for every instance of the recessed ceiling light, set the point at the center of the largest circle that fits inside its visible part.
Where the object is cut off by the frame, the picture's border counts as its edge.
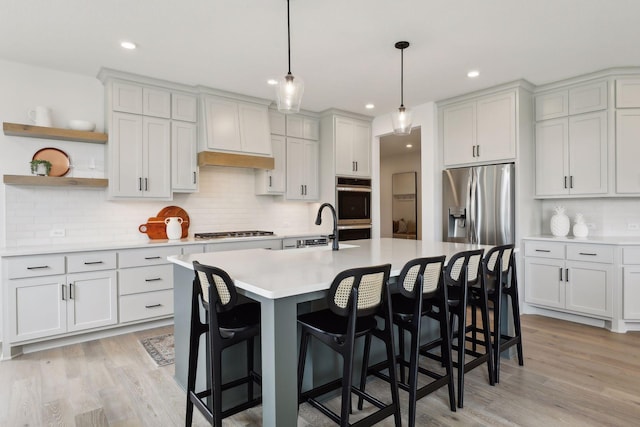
(473, 73)
(128, 45)
(369, 106)
(409, 145)
(272, 82)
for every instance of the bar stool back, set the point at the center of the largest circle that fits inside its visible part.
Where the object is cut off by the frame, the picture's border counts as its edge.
(354, 298)
(465, 285)
(230, 319)
(499, 282)
(421, 293)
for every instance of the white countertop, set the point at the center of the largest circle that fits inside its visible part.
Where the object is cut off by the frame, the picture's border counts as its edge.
(137, 243)
(279, 274)
(602, 240)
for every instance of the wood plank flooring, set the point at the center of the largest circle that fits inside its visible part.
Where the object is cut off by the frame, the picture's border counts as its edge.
(574, 375)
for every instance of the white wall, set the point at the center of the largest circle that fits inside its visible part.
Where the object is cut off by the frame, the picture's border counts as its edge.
(226, 199)
(424, 117)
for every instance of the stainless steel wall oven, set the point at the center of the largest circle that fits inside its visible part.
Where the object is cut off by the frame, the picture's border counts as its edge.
(353, 203)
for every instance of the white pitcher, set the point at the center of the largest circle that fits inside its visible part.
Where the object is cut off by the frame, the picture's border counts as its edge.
(174, 227)
(41, 116)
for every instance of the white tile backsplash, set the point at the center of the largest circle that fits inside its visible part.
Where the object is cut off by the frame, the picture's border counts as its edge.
(610, 217)
(226, 201)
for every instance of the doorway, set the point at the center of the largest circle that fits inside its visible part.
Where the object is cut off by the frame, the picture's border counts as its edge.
(400, 159)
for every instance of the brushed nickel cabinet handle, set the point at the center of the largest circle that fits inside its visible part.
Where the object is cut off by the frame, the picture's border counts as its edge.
(93, 262)
(64, 291)
(478, 150)
(153, 306)
(71, 296)
(543, 250)
(587, 253)
(560, 273)
(152, 257)
(38, 267)
(146, 184)
(155, 279)
(139, 183)
(194, 177)
(566, 275)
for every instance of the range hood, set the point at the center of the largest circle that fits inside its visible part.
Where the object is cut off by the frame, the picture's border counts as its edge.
(215, 158)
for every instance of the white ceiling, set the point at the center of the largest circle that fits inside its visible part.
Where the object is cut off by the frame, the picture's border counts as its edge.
(343, 49)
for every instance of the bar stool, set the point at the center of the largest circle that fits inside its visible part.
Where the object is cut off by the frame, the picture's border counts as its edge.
(421, 293)
(230, 319)
(353, 300)
(465, 286)
(499, 282)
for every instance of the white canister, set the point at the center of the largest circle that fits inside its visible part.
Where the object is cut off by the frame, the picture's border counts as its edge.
(41, 116)
(174, 227)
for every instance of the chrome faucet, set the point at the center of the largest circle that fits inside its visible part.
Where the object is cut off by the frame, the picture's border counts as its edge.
(334, 236)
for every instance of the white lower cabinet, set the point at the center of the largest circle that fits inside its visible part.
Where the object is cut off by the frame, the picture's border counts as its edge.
(631, 283)
(575, 278)
(43, 305)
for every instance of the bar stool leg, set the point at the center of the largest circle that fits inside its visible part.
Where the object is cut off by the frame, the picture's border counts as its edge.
(462, 322)
(249, 369)
(413, 372)
(347, 371)
(364, 370)
(484, 311)
(401, 352)
(217, 389)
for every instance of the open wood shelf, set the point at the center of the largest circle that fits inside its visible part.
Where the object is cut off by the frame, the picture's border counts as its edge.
(16, 129)
(54, 181)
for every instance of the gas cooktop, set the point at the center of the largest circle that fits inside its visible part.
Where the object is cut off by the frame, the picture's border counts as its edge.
(229, 234)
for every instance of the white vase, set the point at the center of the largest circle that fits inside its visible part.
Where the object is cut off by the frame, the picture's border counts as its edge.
(580, 229)
(174, 227)
(560, 223)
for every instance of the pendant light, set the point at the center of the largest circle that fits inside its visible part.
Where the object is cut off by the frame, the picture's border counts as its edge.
(289, 89)
(402, 118)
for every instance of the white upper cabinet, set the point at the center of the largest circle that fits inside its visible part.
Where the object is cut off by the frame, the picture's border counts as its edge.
(277, 123)
(302, 169)
(571, 155)
(235, 126)
(627, 151)
(184, 155)
(127, 98)
(272, 181)
(480, 131)
(588, 98)
(303, 127)
(156, 102)
(628, 92)
(552, 105)
(352, 147)
(184, 107)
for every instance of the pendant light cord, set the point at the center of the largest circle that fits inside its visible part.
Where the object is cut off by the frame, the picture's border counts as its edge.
(401, 77)
(288, 37)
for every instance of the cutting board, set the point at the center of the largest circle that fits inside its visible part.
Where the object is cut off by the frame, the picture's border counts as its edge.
(155, 227)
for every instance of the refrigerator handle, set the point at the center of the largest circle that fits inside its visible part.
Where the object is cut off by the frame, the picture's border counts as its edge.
(472, 206)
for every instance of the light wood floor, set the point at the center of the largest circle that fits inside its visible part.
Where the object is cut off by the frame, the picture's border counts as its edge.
(574, 375)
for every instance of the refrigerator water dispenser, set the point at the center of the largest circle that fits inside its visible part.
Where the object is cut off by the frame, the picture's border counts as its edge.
(457, 223)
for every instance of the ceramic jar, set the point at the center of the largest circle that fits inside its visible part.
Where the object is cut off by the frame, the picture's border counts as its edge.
(580, 229)
(560, 223)
(174, 227)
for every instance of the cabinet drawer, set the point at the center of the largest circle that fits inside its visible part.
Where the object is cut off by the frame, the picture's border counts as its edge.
(146, 256)
(544, 249)
(631, 255)
(91, 261)
(145, 279)
(34, 266)
(590, 253)
(146, 305)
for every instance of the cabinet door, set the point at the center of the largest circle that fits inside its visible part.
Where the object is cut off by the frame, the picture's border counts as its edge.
(272, 181)
(589, 288)
(552, 157)
(627, 151)
(459, 133)
(223, 129)
(295, 169)
(37, 307)
(552, 105)
(125, 162)
(631, 293)
(311, 169)
(92, 300)
(157, 157)
(496, 127)
(254, 128)
(277, 123)
(587, 98)
(361, 149)
(628, 93)
(184, 157)
(127, 98)
(310, 128)
(184, 107)
(543, 282)
(156, 103)
(344, 136)
(588, 153)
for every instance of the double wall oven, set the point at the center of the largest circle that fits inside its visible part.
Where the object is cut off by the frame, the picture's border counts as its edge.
(353, 205)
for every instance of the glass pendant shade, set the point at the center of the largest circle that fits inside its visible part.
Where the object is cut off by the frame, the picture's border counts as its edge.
(401, 121)
(289, 92)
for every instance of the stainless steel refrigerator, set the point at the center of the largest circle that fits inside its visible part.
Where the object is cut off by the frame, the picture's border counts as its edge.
(478, 204)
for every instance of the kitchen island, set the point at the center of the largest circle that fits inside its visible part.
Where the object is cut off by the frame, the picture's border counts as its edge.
(280, 281)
